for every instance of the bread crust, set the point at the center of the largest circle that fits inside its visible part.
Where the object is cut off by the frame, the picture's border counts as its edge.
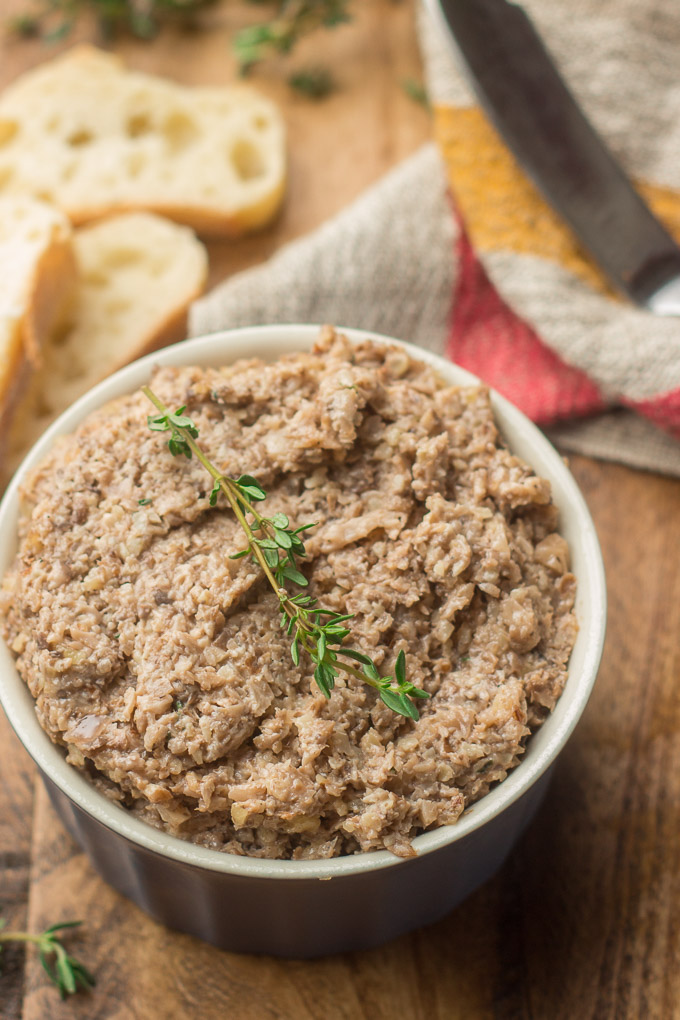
(211, 158)
(208, 223)
(49, 301)
(172, 330)
(57, 379)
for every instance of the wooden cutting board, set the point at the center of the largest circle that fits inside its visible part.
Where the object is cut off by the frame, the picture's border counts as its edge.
(582, 922)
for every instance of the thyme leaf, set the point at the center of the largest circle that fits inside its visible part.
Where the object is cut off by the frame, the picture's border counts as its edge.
(415, 90)
(313, 82)
(64, 971)
(274, 545)
(294, 19)
(53, 20)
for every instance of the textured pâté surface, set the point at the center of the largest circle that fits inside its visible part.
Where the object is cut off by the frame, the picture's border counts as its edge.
(158, 662)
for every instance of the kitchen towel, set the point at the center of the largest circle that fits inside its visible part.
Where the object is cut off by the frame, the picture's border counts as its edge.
(456, 251)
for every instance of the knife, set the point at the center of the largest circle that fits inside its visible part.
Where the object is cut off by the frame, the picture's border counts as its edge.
(521, 91)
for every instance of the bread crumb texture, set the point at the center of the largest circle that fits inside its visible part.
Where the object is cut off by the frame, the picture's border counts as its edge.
(38, 274)
(137, 275)
(92, 137)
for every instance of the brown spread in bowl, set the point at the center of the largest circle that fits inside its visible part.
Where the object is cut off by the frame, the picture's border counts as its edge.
(158, 661)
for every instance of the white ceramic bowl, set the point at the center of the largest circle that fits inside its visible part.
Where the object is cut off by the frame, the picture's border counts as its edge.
(283, 907)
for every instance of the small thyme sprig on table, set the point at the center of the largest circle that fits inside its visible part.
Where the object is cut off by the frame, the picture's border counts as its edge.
(63, 970)
(416, 91)
(54, 20)
(313, 82)
(275, 546)
(294, 19)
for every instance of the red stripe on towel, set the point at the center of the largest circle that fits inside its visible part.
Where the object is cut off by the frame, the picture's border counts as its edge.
(489, 339)
(663, 410)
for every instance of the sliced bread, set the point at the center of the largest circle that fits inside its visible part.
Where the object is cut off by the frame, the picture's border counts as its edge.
(37, 287)
(138, 274)
(94, 138)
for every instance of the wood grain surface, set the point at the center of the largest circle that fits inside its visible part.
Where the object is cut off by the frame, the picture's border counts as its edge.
(584, 919)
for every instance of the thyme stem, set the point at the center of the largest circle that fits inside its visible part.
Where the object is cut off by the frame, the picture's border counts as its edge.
(63, 970)
(319, 632)
(229, 489)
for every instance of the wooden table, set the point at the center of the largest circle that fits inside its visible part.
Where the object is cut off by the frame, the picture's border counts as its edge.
(584, 919)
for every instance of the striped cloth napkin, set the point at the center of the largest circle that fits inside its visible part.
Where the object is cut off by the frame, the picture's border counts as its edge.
(491, 278)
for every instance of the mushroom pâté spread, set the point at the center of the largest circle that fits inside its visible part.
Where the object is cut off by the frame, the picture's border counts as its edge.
(157, 661)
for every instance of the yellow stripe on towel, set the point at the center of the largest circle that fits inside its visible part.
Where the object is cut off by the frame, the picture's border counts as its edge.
(502, 209)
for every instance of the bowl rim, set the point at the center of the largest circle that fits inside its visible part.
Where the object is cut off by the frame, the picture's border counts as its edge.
(223, 347)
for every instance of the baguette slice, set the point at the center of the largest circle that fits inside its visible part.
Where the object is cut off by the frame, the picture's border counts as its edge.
(90, 136)
(138, 275)
(37, 286)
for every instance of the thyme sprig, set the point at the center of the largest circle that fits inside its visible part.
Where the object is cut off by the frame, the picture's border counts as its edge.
(416, 91)
(63, 970)
(312, 82)
(294, 19)
(54, 20)
(276, 547)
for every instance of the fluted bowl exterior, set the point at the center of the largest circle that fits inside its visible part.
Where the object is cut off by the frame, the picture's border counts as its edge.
(311, 908)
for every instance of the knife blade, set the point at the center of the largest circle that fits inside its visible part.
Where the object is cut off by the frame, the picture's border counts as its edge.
(531, 107)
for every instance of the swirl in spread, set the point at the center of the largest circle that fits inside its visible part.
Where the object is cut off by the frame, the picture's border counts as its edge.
(158, 663)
